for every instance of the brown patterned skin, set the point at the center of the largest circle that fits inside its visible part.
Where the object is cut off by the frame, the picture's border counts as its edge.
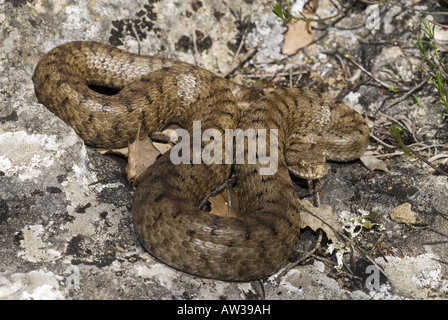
(155, 92)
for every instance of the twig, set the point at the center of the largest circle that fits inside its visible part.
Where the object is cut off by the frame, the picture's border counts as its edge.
(274, 75)
(387, 155)
(331, 262)
(340, 13)
(379, 240)
(361, 251)
(195, 48)
(405, 96)
(436, 157)
(97, 182)
(229, 200)
(381, 141)
(385, 85)
(226, 184)
(259, 288)
(243, 40)
(372, 2)
(429, 163)
(290, 77)
(424, 147)
(310, 183)
(395, 131)
(404, 121)
(308, 254)
(246, 57)
(378, 249)
(136, 37)
(438, 24)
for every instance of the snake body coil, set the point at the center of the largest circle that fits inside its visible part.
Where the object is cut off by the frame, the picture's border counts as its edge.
(154, 92)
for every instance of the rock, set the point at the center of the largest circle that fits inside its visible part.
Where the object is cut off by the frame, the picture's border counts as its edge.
(403, 214)
(66, 229)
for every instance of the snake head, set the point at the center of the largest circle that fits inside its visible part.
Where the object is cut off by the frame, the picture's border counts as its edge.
(308, 171)
(306, 161)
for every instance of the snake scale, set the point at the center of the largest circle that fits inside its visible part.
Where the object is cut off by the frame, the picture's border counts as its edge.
(152, 92)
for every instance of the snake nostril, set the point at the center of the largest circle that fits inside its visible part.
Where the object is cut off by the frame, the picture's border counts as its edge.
(108, 91)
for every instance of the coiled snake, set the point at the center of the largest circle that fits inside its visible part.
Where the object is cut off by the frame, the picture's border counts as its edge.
(154, 92)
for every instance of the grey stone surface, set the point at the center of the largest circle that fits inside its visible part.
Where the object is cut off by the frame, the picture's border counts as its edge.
(65, 236)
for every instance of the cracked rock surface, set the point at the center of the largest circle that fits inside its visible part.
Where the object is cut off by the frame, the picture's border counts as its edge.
(65, 211)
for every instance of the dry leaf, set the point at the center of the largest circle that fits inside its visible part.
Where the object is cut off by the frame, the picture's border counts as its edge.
(142, 154)
(323, 212)
(298, 36)
(162, 147)
(118, 152)
(373, 163)
(299, 33)
(219, 204)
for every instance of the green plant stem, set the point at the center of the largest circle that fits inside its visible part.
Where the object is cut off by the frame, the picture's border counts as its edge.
(395, 130)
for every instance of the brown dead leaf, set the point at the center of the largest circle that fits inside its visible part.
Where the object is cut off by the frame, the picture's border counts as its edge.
(299, 33)
(373, 163)
(118, 152)
(162, 147)
(323, 212)
(142, 154)
(219, 204)
(298, 36)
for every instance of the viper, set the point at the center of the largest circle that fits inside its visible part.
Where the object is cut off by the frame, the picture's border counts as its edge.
(152, 92)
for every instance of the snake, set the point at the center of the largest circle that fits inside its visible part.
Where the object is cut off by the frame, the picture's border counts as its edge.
(149, 93)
